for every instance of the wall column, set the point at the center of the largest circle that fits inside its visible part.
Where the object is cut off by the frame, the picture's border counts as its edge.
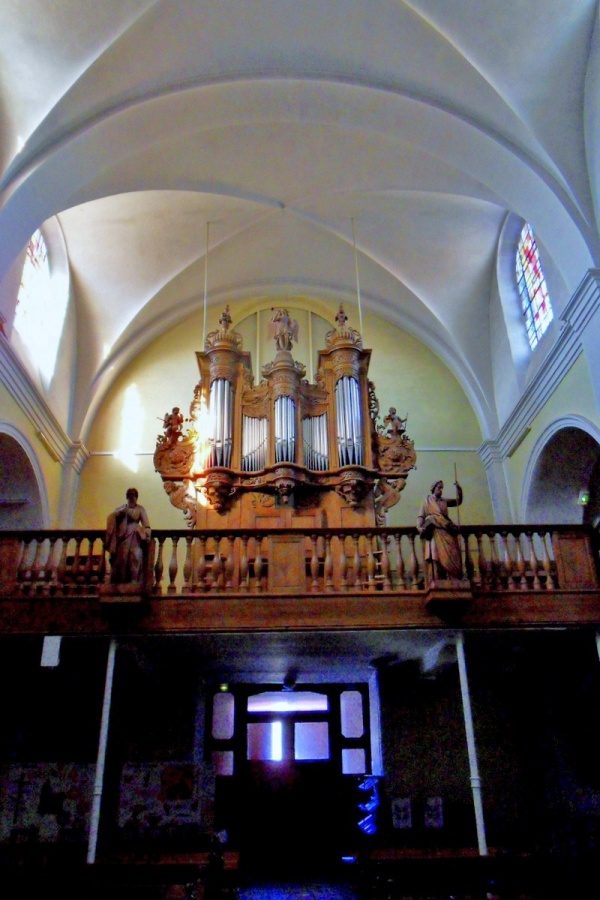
(474, 769)
(101, 760)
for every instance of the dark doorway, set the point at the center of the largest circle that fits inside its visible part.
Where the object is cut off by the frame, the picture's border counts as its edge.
(289, 800)
(292, 816)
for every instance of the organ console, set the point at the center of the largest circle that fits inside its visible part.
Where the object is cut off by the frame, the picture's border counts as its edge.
(284, 451)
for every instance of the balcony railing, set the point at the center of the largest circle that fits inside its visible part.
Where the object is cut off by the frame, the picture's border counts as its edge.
(496, 558)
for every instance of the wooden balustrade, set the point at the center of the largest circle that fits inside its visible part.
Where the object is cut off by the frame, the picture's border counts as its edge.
(497, 558)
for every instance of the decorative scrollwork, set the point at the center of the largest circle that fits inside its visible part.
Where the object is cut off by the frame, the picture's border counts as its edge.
(180, 497)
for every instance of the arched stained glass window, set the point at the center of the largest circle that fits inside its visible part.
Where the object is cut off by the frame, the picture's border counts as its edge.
(41, 309)
(535, 301)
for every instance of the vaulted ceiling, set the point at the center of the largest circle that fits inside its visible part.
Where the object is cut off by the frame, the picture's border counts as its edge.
(285, 134)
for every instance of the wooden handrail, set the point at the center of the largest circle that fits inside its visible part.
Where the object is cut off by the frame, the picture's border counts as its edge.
(528, 558)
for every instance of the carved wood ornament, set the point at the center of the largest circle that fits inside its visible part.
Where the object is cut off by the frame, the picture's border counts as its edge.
(284, 448)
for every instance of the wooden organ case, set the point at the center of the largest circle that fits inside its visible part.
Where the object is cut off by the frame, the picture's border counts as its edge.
(284, 453)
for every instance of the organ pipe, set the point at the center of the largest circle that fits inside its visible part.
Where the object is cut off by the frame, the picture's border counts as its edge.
(254, 443)
(221, 413)
(285, 429)
(314, 436)
(349, 422)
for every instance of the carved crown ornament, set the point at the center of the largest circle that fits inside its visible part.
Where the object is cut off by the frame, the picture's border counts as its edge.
(300, 446)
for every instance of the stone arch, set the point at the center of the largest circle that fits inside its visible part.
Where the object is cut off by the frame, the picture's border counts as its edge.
(564, 464)
(23, 499)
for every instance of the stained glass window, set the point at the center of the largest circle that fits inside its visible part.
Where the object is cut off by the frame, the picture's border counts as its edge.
(535, 301)
(41, 309)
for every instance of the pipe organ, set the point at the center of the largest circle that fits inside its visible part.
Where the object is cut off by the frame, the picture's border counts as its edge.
(284, 451)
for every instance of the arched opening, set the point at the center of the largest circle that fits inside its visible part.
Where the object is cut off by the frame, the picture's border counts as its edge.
(565, 483)
(20, 497)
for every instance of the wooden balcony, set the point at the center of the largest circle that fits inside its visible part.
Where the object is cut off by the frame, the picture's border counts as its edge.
(366, 578)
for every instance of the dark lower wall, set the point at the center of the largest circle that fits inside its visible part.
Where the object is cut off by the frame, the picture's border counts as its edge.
(536, 708)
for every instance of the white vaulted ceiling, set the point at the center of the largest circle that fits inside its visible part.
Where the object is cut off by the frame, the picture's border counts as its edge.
(282, 123)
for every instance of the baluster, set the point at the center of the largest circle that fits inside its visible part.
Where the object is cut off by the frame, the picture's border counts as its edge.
(370, 564)
(356, 564)
(400, 568)
(228, 565)
(484, 566)
(494, 562)
(159, 566)
(314, 563)
(52, 567)
(62, 566)
(88, 567)
(328, 564)
(546, 563)
(76, 562)
(533, 562)
(414, 564)
(201, 564)
(217, 567)
(24, 569)
(101, 563)
(187, 565)
(471, 570)
(37, 567)
(519, 573)
(171, 589)
(506, 562)
(343, 564)
(244, 569)
(258, 565)
(385, 562)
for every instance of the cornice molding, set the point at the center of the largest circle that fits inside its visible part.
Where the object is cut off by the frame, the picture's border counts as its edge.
(575, 318)
(77, 456)
(25, 393)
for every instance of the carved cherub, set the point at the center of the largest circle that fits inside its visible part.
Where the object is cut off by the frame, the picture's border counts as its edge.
(397, 425)
(172, 423)
(283, 329)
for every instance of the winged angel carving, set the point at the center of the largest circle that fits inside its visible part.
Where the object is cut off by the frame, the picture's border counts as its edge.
(283, 329)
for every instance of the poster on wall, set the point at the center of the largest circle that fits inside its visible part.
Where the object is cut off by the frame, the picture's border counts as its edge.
(434, 813)
(402, 812)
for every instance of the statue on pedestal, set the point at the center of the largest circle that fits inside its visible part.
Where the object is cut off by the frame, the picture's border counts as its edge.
(440, 533)
(127, 535)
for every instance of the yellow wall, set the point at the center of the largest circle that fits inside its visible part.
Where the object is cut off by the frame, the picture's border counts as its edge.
(406, 375)
(12, 413)
(573, 396)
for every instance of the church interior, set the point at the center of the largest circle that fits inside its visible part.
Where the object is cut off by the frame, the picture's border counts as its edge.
(299, 449)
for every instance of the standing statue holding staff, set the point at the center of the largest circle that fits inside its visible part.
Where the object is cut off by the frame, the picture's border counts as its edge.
(440, 533)
(127, 535)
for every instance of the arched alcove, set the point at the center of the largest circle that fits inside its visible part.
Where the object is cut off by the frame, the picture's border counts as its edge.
(564, 472)
(21, 504)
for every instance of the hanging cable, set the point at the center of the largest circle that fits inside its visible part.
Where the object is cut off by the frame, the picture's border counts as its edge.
(205, 283)
(357, 282)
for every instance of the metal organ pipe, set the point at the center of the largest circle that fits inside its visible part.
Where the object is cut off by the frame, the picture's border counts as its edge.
(285, 429)
(221, 411)
(349, 422)
(254, 443)
(314, 435)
